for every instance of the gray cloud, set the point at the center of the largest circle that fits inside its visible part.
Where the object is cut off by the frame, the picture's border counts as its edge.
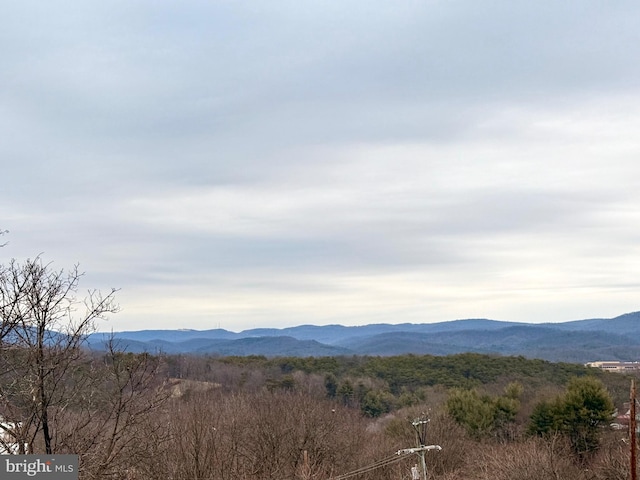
(302, 161)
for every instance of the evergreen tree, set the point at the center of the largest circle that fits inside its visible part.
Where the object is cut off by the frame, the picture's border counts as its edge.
(580, 413)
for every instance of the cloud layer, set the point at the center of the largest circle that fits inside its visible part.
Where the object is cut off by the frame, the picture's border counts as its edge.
(279, 163)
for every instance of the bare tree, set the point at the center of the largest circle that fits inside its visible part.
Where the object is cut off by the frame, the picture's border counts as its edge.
(46, 324)
(12, 294)
(111, 424)
(235, 435)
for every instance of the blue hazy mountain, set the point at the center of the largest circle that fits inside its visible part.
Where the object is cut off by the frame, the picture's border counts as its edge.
(574, 341)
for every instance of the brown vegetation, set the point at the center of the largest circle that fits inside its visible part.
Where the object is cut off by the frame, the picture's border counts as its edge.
(134, 420)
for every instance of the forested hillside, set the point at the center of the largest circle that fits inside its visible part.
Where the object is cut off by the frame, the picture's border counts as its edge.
(404, 376)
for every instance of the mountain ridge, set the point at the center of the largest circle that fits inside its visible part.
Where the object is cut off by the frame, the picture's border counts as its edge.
(576, 341)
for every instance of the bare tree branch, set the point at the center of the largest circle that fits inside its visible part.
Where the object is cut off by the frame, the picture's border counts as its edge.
(43, 318)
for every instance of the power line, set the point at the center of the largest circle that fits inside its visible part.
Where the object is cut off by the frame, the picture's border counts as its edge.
(388, 460)
(379, 464)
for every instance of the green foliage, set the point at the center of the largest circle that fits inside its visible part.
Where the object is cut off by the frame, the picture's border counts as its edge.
(248, 360)
(482, 415)
(409, 373)
(580, 413)
(471, 410)
(287, 383)
(587, 407)
(374, 404)
(514, 390)
(544, 419)
(505, 410)
(331, 385)
(346, 392)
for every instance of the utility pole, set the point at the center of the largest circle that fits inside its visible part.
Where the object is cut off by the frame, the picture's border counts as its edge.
(632, 430)
(420, 426)
(420, 451)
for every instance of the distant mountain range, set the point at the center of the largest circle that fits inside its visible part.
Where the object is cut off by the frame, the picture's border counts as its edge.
(575, 341)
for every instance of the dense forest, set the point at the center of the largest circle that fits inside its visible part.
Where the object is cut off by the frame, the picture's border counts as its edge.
(186, 417)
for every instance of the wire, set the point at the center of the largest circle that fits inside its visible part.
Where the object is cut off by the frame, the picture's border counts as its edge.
(362, 470)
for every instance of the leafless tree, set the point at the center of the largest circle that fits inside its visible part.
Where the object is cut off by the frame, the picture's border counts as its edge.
(226, 436)
(45, 323)
(111, 424)
(12, 294)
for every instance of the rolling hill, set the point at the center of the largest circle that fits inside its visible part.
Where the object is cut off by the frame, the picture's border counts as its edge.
(576, 341)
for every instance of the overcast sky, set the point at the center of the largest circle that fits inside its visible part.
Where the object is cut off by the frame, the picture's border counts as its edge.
(276, 163)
